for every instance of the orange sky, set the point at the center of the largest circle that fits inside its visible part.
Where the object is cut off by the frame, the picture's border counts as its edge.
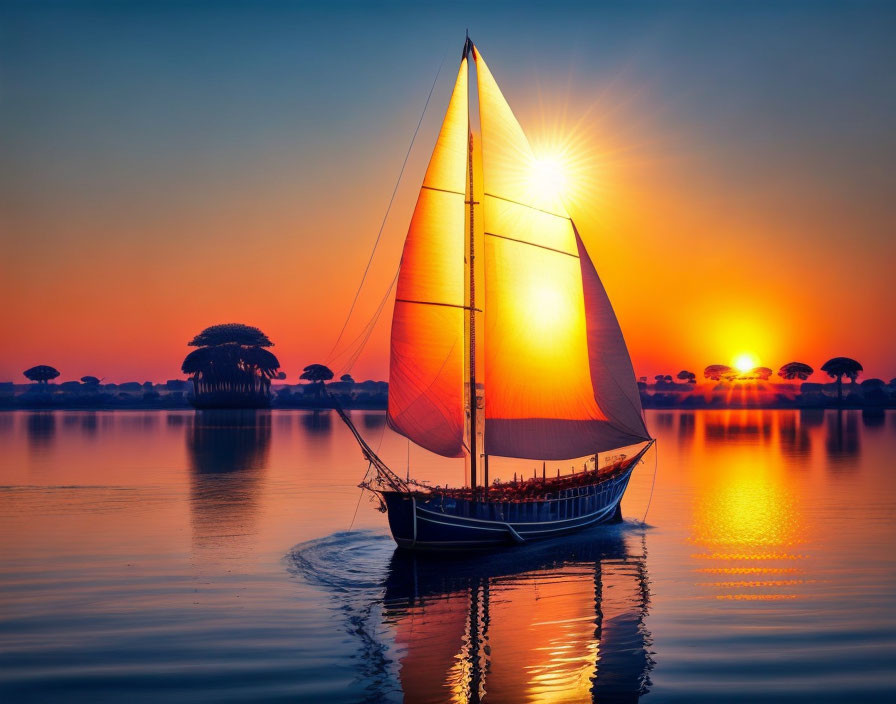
(715, 232)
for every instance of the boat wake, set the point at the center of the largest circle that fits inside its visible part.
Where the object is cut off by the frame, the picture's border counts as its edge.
(352, 567)
(361, 562)
(355, 561)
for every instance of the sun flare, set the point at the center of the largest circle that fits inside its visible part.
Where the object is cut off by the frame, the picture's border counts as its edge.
(548, 177)
(745, 361)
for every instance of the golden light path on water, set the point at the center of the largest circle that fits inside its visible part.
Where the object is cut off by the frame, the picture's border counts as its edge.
(747, 511)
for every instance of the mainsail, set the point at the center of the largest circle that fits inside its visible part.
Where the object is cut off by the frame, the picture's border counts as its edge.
(558, 381)
(556, 385)
(426, 396)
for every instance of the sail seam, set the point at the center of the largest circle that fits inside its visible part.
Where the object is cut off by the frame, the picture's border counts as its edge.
(532, 244)
(436, 303)
(526, 205)
(443, 190)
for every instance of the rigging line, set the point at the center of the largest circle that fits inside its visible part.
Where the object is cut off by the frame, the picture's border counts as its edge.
(371, 326)
(656, 454)
(350, 347)
(379, 442)
(366, 329)
(360, 496)
(379, 234)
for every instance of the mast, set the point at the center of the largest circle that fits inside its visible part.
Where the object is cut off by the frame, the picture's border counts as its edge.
(474, 457)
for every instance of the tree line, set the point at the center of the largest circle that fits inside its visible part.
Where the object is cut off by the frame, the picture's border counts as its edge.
(232, 366)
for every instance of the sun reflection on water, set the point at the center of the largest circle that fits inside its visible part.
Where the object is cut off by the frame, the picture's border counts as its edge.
(746, 509)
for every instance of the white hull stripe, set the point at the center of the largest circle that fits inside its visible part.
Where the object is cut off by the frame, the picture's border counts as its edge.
(450, 543)
(501, 527)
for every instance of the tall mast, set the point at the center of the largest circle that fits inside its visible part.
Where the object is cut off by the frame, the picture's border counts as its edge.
(474, 457)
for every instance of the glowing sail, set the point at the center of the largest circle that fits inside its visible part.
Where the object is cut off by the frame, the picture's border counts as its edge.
(426, 398)
(558, 379)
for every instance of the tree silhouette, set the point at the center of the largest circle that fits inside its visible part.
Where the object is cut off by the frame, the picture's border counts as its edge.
(90, 380)
(41, 374)
(761, 373)
(839, 367)
(231, 333)
(317, 374)
(795, 370)
(717, 372)
(687, 376)
(347, 378)
(231, 366)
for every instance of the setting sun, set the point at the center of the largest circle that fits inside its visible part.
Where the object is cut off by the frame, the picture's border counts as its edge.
(745, 361)
(548, 177)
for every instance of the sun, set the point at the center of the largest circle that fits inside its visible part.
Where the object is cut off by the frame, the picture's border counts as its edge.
(547, 177)
(745, 361)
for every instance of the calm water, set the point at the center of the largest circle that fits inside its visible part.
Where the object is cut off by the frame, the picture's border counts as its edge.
(191, 557)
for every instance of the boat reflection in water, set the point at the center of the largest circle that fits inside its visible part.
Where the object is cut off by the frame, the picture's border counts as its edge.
(560, 621)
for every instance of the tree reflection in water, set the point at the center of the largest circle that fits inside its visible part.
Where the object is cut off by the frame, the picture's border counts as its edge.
(41, 429)
(317, 422)
(842, 439)
(227, 449)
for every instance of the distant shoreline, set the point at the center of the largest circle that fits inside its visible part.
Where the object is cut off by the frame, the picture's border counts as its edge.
(382, 407)
(174, 406)
(373, 396)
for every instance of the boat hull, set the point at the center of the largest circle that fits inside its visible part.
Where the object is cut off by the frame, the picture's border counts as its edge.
(436, 522)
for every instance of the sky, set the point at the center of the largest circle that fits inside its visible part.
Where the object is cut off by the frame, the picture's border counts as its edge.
(168, 166)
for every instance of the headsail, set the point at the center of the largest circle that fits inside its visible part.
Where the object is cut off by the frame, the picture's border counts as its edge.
(426, 398)
(558, 378)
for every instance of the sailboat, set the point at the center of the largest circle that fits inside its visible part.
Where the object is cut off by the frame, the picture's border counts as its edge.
(504, 343)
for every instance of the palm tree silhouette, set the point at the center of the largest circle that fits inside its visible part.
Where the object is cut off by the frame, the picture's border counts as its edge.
(839, 367)
(231, 367)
